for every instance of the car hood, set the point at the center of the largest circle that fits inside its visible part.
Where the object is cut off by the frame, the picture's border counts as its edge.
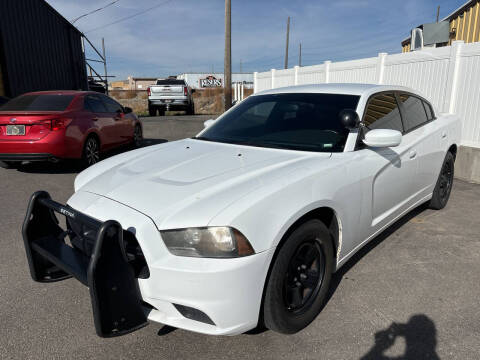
(186, 183)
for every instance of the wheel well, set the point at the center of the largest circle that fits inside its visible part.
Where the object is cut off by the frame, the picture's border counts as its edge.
(324, 214)
(453, 150)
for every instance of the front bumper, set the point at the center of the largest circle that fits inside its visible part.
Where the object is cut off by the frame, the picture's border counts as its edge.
(226, 293)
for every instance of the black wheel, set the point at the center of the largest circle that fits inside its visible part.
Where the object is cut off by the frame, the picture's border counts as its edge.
(161, 112)
(152, 111)
(299, 279)
(91, 151)
(137, 136)
(443, 188)
(191, 110)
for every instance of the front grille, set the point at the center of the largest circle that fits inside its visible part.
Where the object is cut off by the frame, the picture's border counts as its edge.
(83, 238)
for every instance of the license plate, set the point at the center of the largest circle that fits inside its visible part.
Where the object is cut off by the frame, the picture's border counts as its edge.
(15, 129)
(168, 101)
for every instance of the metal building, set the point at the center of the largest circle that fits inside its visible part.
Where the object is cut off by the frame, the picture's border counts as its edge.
(39, 49)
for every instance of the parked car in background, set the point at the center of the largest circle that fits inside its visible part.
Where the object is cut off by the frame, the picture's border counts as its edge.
(170, 94)
(247, 221)
(3, 100)
(54, 125)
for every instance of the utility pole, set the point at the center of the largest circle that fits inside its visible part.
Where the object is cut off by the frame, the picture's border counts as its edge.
(286, 48)
(228, 55)
(300, 55)
(438, 12)
(241, 70)
(105, 65)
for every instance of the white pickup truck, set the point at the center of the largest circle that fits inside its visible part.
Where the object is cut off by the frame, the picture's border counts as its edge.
(170, 94)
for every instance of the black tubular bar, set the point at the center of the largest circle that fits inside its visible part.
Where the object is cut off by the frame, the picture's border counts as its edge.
(114, 292)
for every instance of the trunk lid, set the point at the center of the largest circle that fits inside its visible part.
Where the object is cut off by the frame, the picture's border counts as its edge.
(37, 124)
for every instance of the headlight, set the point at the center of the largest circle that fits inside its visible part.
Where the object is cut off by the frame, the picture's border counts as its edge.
(212, 242)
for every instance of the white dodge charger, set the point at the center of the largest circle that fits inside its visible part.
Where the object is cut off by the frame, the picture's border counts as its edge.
(245, 223)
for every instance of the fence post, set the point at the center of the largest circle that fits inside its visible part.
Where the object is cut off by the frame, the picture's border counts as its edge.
(452, 79)
(381, 67)
(273, 78)
(255, 85)
(295, 79)
(327, 71)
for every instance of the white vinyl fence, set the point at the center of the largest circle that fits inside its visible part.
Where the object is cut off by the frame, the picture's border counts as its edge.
(448, 76)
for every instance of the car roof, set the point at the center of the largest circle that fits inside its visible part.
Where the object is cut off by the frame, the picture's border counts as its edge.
(340, 88)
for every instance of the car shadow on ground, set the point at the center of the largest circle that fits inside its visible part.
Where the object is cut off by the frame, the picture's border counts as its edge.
(420, 337)
(75, 166)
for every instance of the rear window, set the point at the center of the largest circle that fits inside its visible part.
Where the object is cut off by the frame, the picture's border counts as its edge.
(170, 82)
(415, 114)
(38, 103)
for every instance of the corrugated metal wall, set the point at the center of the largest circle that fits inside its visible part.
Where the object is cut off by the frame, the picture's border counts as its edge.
(39, 50)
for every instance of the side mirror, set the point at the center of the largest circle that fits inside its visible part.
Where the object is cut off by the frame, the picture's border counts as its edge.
(379, 138)
(208, 123)
(127, 110)
(349, 119)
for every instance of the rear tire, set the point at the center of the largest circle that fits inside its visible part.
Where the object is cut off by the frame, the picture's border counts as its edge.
(444, 184)
(137, 136)
(161, 112)
(152, 111)
(91, 151)
(299, 279)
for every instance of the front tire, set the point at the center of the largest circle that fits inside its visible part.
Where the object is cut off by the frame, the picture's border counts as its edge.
(444, 184)
(91, 151)
(299, 279)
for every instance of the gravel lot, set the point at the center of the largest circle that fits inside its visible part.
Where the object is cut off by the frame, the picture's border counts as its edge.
(412, 292)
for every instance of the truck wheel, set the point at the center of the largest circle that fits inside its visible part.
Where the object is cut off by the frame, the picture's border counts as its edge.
(161, 112)
(152, 111)
(191, 110)
(299, 280)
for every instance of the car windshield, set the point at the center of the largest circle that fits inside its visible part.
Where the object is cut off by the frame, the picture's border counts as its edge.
(307, 122)
(38, 103)
(170, 82)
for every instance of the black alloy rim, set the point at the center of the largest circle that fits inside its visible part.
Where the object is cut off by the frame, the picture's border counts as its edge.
(304, 277)
(137, 136)
(446, 180)
(92, 152)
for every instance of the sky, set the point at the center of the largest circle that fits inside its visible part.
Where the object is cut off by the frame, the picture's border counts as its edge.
(171, 37)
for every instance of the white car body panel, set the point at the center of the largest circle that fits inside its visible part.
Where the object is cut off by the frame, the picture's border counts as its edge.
(261, 192)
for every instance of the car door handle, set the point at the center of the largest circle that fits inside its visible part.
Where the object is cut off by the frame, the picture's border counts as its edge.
(444, 135)
(413, 154)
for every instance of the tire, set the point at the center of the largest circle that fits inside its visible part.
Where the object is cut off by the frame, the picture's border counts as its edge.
(152, 111)
(91, 151)
(299, 279)
(191, 110)
(137, 136)
(161, 112)
(444, 184)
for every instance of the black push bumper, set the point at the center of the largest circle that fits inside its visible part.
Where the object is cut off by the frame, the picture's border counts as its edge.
(116, 301)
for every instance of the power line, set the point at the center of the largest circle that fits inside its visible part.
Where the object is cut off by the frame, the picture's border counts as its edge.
(94, 11)
(129, 17)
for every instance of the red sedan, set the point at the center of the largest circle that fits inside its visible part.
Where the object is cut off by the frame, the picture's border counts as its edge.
(53, 125)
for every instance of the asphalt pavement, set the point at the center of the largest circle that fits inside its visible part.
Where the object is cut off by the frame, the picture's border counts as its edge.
(411, 293)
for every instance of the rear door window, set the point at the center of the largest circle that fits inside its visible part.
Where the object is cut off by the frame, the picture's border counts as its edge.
(382, 113)
(42, 102)
(94, 104)
(413, 111)
(111, 105)
(429, 111)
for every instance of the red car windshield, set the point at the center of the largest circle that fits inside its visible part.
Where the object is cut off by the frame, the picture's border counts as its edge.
(38, 103)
